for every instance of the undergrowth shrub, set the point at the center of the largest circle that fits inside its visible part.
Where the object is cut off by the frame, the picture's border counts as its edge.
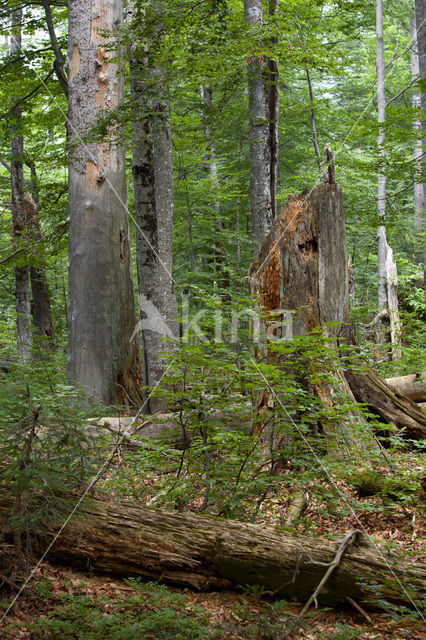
(45, 451)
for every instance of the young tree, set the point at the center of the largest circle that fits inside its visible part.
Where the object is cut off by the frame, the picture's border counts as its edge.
(101, 316)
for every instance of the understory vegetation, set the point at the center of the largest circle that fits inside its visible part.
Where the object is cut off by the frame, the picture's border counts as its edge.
(139, 364)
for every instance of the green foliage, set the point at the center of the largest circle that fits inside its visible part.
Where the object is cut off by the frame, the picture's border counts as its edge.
(44, 448)
(152, 612)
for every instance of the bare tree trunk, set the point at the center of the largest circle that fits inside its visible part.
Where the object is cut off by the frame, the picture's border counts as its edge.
(153, 188)
(420, 7)
(19, 209)
(222, 274)
(101, 356)
(41, 308)
(263, 105)
(313, 125)
(127, 539)
(387, 274)
(381, 191)
(274, 115)
(416, 101)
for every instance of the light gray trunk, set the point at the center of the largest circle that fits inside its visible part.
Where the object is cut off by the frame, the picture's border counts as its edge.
(102, 358)
(262, 153)
(420, 6)
(381, 190)
(416, 101)
(153, 189)
(19, 210)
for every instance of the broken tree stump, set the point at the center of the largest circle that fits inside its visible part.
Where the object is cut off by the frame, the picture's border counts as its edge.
(127, 539)
(302, 268)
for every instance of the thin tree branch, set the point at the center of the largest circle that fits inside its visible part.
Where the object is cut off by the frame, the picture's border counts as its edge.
(402, 90)
(59, 63)
(24, 98)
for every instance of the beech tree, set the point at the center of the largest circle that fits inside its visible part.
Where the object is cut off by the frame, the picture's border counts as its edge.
(264, 109)
(420, 7)
(20, 212)
(102, 358)
(152, 168)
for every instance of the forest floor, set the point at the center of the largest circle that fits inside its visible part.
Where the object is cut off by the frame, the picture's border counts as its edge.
(70, 605)
(67, 604)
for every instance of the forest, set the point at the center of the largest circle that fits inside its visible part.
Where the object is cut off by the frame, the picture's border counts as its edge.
(212, 319)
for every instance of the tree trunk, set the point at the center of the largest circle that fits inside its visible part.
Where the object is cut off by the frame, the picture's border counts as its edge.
(302, 268)
(420, 8)
(387, 276)
(153, 189)
(221, 271)
(19, 209)
(413, 386)
(263, 106)
(416, 101)
(101, 315)
(392, 406)
(381, 189)
(126, 539)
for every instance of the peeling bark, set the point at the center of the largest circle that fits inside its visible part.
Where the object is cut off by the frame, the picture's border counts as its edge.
(102, 358)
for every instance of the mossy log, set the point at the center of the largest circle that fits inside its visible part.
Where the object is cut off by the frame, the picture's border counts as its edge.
(127, 539)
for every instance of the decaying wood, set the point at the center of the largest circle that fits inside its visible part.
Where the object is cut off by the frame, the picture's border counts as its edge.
(295, 507)
(393, 407)
(302, 268)
(126, 539)
(413, 386)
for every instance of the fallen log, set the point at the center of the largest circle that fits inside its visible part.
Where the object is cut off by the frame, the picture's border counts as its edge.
(392, 406)
(127, 539)
(413, 386)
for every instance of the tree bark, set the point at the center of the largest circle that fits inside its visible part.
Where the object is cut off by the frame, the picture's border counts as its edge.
(126, 539)
(387, 275)
(212, 169)
(416, 101)
(302, 268)
(20, 211)
(264, 109)
(381, 189)
(413, 386)
(41, 308)
(152, 167)
(101, 315)
(392, 406)
(420, 9)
